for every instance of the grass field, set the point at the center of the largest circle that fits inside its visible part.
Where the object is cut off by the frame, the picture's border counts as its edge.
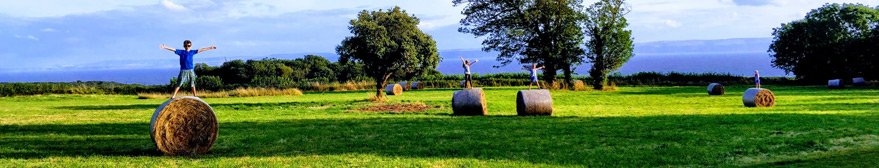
(631, 127)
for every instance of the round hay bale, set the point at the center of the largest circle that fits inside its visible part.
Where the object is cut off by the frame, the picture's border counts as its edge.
(184, 126)
(464, 84)
(417, 85)
(858, 81)
(534, 102)
(405, 85)
(758, 97)
(469, 102)
(835, 84)
(394, 89)
(715, 89)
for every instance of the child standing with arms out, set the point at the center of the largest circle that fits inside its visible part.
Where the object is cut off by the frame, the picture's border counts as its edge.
(533, 70)
(186, 65)
(466, 66)
(757, 78)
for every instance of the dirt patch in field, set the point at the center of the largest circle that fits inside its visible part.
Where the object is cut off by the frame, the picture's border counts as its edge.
(397, 108)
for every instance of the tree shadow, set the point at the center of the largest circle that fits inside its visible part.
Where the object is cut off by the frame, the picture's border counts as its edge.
(576, 141)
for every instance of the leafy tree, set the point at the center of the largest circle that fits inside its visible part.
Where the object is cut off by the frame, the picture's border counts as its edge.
(235, 71)
(610, 44)
(545, 32)
(834, 41)
(386, 42)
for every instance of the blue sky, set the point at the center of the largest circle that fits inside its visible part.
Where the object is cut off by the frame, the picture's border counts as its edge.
(60, 34)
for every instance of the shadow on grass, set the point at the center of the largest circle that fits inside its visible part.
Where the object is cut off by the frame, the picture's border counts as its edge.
(234, 106)
(583, 141)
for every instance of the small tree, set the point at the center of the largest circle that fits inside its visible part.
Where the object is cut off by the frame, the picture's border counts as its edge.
(388, 42)
(610, 44)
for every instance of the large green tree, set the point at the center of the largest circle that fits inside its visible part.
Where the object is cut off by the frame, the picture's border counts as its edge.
(386, 42)
(610, 44)
(834, 41)
(545, 32)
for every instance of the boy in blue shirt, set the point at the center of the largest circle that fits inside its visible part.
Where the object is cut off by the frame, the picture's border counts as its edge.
(186, 65)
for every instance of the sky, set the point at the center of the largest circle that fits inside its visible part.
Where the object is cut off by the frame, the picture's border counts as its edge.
(69, 34)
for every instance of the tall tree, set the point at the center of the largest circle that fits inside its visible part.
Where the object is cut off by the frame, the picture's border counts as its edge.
(545, 32)
(834, 41)
(610, 44)
(386, 42)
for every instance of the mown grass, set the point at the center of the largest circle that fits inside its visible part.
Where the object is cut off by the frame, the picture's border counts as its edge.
(631, 127)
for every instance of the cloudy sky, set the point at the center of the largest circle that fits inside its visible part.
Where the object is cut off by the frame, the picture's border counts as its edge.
(69, 33)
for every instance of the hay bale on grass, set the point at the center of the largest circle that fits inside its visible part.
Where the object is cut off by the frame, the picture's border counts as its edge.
(464, 84)
(394, 89)
(469, 102)
(858, 81)
(758, 97)
(417, 85)
(835, 84)
(184, 126)
(405, 85)
(534, 102)
(715, 89)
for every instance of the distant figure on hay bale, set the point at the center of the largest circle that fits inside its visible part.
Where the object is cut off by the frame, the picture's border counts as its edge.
(186, 65)
(757, 78)
(533, 70)
(466, 66)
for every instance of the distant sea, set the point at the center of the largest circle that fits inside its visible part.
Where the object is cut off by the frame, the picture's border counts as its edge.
(742, 64)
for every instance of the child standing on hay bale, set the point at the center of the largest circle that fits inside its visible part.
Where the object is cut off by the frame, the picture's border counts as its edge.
(186, 65)
(466, 66)
(533, 70)
(757, 78)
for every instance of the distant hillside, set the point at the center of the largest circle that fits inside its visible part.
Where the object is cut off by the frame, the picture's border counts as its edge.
(741, 45)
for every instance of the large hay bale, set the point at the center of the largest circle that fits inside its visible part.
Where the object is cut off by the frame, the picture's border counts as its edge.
(184, 126)
(858, 81)
(464, 84)
(469, 102)
(758, 97)
(394, 89)
(417, 85)
(405, 85)
(534, 102)
(835, 84)
(715, 89)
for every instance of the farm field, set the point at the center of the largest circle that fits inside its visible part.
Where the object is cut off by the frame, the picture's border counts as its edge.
(631, 127)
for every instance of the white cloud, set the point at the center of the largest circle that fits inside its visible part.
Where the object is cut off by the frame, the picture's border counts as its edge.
(31, 37)
(48, 30)
(172, 6)
(672, 23)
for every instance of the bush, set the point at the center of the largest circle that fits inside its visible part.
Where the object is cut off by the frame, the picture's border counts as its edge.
(212, 83)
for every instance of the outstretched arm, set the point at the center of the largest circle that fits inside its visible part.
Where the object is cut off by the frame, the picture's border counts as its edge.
(525, 68)
(207, 48)
(167, 48)
(541, 67)
(462, 58)
(474, 62)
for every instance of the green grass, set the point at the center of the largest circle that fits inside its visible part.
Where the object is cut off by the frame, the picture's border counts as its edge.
(632, 127)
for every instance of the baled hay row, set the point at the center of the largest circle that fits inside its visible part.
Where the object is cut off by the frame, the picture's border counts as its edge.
(417, 85)
(469, 102)
(716, 89)
(858, 82)
(405, 85)
(394, 89)
(534, 102)
(184, 126)
(835, 84)
(758, 97)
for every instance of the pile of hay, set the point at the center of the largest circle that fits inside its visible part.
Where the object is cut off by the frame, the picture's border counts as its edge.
(469, 102)
(758, 97)
(534, 102)
(394, 89)
(835, 84)
(417, 85)
(858, 82)
(715, 89)
(184, 126)
(405, 85)
(464, 84)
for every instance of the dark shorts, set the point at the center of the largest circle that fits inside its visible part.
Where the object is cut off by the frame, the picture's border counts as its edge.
(757, 80)
(186, 75)
(533, 79)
